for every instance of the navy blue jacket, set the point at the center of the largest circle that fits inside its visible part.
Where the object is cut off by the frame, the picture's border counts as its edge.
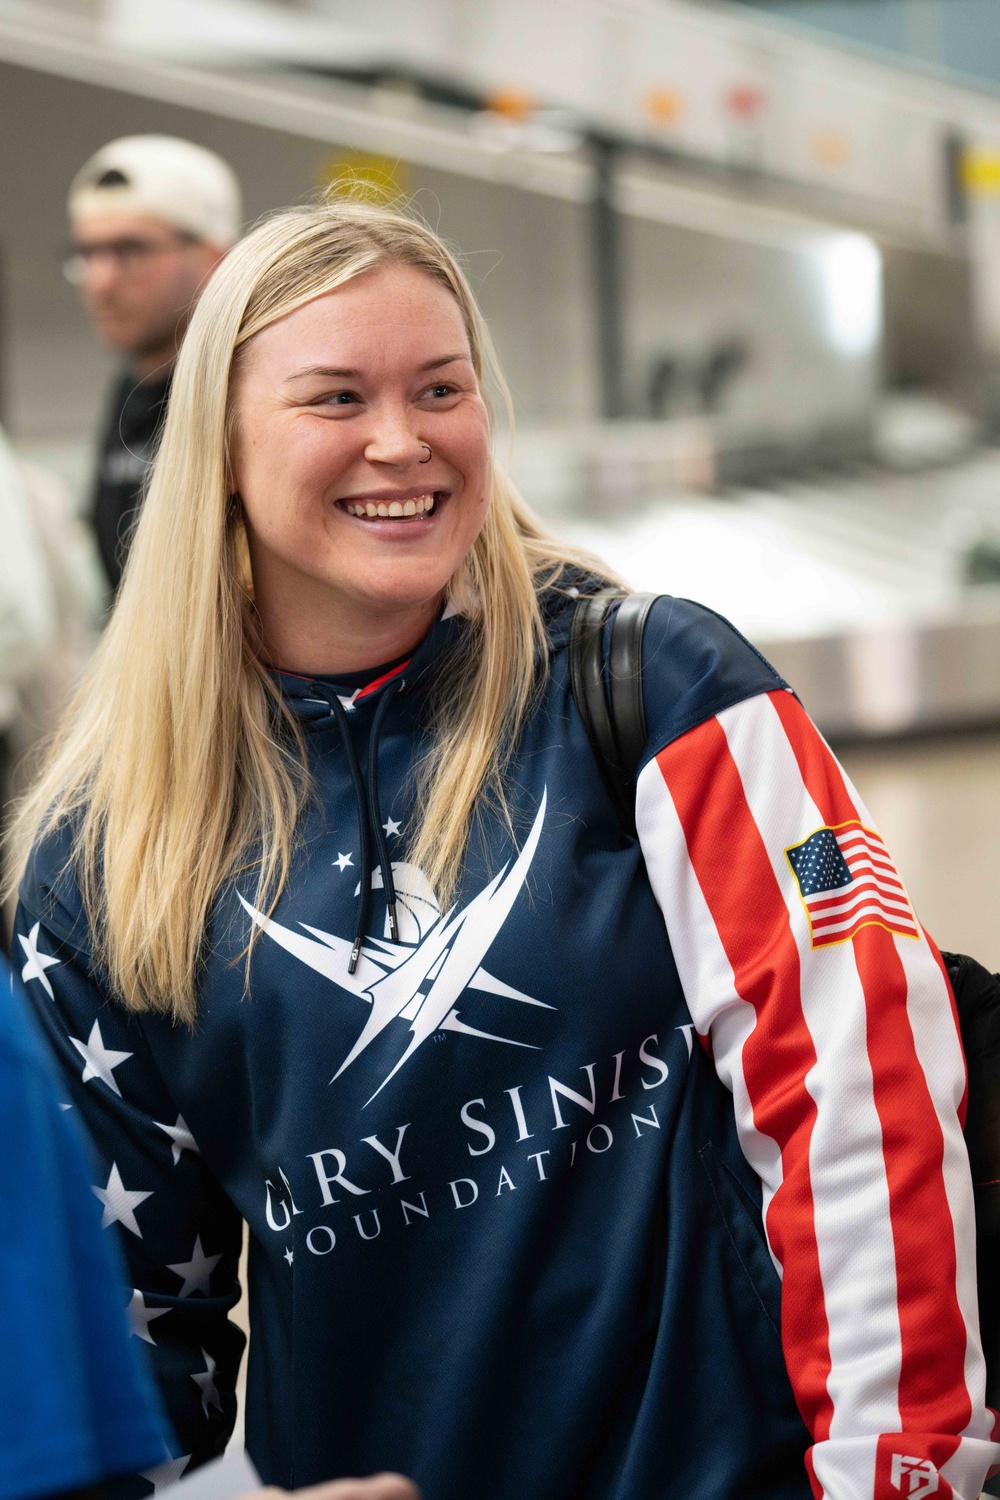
(637, 1173)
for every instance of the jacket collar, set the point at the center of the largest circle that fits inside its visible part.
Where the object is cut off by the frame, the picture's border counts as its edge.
(557, 605)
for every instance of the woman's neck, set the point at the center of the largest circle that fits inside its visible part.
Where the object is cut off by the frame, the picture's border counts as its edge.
(331, 648)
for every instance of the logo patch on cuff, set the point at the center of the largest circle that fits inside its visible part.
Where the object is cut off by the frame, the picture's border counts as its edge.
(913, 1477)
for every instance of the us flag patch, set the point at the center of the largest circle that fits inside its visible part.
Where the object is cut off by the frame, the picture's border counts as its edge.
(847, 881)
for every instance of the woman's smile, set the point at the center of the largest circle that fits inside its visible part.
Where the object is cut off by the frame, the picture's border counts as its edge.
(390, 505)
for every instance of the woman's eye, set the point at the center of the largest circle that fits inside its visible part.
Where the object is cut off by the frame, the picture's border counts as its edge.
(440, 391)
(336, 398)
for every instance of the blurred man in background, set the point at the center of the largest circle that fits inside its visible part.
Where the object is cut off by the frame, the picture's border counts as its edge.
(150, 217)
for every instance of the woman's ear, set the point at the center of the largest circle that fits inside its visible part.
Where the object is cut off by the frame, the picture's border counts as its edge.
(241, 552)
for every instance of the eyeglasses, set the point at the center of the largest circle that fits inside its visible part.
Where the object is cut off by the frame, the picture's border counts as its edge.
(129, 256)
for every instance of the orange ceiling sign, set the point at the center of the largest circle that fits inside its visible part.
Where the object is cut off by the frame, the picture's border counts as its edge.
(512, 104)
(664, 106)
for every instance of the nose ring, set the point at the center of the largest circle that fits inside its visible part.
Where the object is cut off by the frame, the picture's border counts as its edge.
(430, 454)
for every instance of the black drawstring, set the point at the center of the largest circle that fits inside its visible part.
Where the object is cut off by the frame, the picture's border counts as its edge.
(364, 905)
(375, 812)
(369, 814)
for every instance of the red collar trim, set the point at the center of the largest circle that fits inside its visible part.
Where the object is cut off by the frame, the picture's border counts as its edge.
(371, 687)
(381, 681)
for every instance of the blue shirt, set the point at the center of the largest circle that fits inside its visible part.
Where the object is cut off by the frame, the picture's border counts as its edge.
(76, 1404)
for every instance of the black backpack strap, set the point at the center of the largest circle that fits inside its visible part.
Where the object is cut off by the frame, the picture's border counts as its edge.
(977, 1000)
(586, 666)
(628, 713)
(608, 693)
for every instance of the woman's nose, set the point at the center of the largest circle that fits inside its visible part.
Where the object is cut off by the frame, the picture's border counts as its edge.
(394, 440)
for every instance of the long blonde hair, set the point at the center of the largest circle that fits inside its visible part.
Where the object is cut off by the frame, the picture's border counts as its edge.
(178, 763)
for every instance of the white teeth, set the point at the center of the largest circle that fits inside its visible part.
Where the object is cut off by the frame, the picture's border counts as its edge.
(423, 505)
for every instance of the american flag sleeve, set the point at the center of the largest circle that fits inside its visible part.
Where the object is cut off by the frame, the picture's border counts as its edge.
(830, 1019)
(178, 1231)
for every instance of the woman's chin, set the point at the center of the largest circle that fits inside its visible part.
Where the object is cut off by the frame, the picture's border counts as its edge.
(419, 595)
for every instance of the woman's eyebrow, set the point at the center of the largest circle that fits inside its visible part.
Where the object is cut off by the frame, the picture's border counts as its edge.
(446, 359)
(329, 372)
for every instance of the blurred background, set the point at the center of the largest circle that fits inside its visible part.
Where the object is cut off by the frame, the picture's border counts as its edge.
(742, 266)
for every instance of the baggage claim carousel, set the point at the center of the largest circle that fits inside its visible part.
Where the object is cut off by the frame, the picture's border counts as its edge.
(876, 596)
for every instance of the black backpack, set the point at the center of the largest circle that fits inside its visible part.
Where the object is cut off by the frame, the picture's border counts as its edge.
(607, 690)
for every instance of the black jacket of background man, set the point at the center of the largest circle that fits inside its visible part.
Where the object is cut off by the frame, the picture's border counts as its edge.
(127, 446)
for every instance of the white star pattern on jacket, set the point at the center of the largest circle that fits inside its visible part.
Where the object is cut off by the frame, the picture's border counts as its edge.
(205, 1381)
(140, 1316)
(391, 827)
(196, 1273)
(120, 1203)
(164, 1475)
(99, 1061)
(37, 962)
(181, 1136)
(342, 861)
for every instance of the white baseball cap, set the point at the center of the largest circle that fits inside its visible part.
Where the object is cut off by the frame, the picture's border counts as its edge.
(165, 177)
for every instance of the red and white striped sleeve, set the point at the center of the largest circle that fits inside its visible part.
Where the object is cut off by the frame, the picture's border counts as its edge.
(836, 1032)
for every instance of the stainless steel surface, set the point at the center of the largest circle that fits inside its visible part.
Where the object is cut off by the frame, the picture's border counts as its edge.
(856, 589)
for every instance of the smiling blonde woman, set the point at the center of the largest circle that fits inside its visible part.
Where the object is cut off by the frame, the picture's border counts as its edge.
(576, 1163)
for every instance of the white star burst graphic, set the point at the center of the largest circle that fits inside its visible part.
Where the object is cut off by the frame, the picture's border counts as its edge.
(37, 962)
(99, 1061)
(421, 978)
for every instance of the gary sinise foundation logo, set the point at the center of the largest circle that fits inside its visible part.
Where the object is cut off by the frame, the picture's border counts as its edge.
(419, 980)
(491, 1148)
